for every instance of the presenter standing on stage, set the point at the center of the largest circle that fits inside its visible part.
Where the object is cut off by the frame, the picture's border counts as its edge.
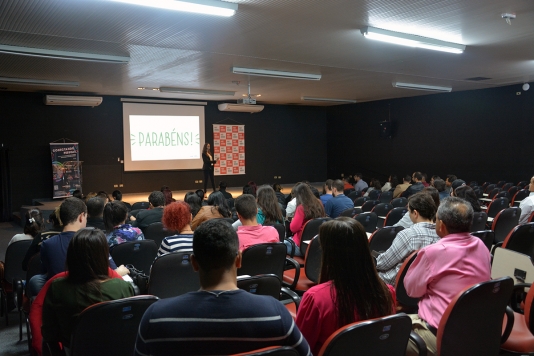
(207, 167)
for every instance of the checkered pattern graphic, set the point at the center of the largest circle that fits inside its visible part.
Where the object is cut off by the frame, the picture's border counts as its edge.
(229, 149)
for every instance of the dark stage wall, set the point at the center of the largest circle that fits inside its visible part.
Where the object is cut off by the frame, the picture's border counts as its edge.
(286, 141)
(476, 135)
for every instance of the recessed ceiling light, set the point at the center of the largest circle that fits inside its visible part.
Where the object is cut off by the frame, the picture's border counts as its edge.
(52, 53)
(425, 87)
(207, 7)
(195, 91)
(44, 82)
(275, 73)
(332, 100)
(405, 39)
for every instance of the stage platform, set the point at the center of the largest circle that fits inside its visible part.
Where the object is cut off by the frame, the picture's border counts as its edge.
(47, 206)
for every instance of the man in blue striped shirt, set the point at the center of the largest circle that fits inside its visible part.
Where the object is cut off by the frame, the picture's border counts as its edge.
(219, 318)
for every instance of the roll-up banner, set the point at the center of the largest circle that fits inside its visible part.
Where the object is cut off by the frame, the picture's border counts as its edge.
(66, 169)
(229, 149)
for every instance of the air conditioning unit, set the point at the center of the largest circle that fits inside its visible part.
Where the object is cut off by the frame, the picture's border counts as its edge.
(240, 107)
(66, 100)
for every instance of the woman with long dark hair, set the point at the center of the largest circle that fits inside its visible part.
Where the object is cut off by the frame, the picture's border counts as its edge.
(269, 211)
(308, 207)
(207, 167)
(467, 193)
(87, 282)
(349, 288)
(217, 208)
(194, 201)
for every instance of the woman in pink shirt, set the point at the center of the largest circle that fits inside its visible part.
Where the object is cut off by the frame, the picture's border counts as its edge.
(349, 290)
(308, 207)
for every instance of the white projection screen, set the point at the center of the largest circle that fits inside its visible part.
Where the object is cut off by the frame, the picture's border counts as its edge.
(162, 137)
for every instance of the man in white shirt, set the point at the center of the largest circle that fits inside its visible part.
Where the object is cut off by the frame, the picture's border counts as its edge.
(527, 205)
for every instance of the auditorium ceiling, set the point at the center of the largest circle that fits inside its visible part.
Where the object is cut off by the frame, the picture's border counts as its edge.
(192, 51)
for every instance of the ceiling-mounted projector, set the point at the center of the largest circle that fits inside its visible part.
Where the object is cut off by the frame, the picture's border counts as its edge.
(240, 107)
(67, 100)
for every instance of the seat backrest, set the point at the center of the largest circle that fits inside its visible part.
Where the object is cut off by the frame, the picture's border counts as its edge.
(172, 274)
(520, 195)
(374, 194)
(382, 209)
(489, 188)
(473, 321)
(157, 232)
(109, 327)
(268, 258)
(15, 254)
(500, 183)
(354, 195)
(394, 215)
(512, 190)
(479, 221)
(529, 310)
(264, 284)
(507, 186)
(369, 205)
(522, 184)
(383, 336)
(140, 254)
(521, 239)
(487, 236)
(271, 351)
(386, 197)
(402, 296)
(502, 193)
(493, 193)
(310, 230)
(399, 202)
(368, 220)
(312, 260)
(360, 201)
(382, 238)
(504, 222)
(496, 206)
(351, 212)
(140, 205)
(281, 230)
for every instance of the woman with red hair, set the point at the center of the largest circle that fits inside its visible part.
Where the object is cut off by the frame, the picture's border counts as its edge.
(177, 216)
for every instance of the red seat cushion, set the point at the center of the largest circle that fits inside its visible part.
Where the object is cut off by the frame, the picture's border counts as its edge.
(303, 283)
(520, 339)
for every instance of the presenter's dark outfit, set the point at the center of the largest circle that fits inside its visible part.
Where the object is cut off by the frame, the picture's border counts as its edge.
(208, 171)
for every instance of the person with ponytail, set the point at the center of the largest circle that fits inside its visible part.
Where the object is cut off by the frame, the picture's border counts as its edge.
(349, 288)
(33, 225)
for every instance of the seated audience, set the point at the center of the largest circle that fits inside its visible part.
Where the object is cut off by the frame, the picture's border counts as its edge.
(77, 194)
(86, 283)
(33, 226)
(346, 183)
(194, 202)
(229, 320)
(153, 213)
(201, 195)
(416, 186)
(216, 208)
(349, 290)
(250, 232)
(391, 183)
(433, 179)
(102, 194)
(177, 216)
(89, 196)
(308, 207)
(118, 232)
(340, 202)
(448, 182)
(360, 183)
(527, 204)
(117, 195)
(434, 194)
(222, 189)
(252, 186)
(168, 195)
(281, 197)
(423, 180)
(269, 212)
(456, 184)
(443, 269)
(401, 188)
(35, 247)
(95, 210)
(467, 193)
(375, 185)
(422, 211)
(327, 192)
(439, 184)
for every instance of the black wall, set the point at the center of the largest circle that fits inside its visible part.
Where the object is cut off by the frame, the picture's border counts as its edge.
(482, 135)
(286, 141)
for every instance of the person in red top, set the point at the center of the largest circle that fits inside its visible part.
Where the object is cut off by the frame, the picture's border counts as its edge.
(349, 290)
(308, 207)
(250, 232)
(346, 184)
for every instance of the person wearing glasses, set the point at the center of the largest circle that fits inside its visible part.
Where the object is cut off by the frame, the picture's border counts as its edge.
(422, 210)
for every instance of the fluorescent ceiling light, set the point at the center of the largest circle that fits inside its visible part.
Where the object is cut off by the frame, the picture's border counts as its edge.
(411, 40)
(195, 91)
(424, 87)
(275, 73)
(29, 81)
(332, 100)
(208, 7)
(52, 53)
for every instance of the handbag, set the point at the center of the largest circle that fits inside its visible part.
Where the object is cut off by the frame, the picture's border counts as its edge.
(139, 279)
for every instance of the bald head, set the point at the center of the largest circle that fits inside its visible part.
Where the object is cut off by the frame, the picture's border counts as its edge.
(456, 214)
